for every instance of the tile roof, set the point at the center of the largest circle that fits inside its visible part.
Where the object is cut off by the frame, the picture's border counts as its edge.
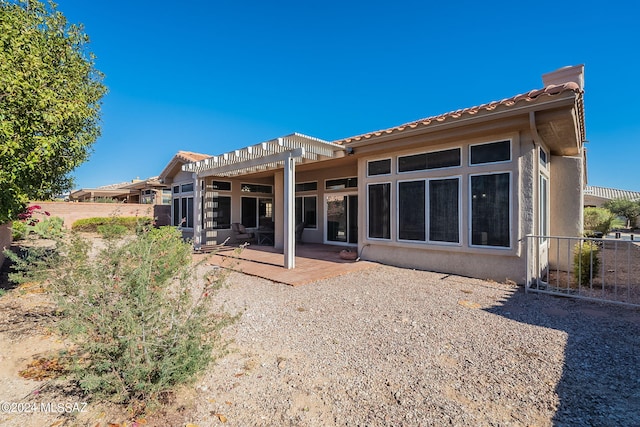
(190, 156)
(611, 193)
(550, 91)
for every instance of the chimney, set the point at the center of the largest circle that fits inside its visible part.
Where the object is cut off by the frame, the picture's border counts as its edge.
(564, 75)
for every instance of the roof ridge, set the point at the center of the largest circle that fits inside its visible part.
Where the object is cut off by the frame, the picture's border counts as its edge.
(550, 90)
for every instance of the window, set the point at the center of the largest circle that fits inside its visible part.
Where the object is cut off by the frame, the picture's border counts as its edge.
(186, 188)
(176, 189)
(256, 188)
(379, 212)
(379, 167)
(221, 185)
(411, 210)
(492, 152)
(307, 186)
(544, 206)
(166, 196)
(306, 211)
(249, 212)
(176, 212)
(256, 211)
(444, 210)
(543, 157)
(221, 213)
(183, 212)
(490, 210)
(340, 184)
(433, 160)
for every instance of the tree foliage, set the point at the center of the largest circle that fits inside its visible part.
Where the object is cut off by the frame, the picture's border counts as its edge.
(50, 94)
(598, 220)
(626, 208)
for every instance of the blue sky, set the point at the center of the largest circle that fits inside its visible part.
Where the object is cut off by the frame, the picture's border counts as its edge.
(212, 76)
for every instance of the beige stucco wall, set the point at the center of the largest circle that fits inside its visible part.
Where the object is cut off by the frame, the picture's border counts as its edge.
(73, 211)
(462, 258)
(567, 201)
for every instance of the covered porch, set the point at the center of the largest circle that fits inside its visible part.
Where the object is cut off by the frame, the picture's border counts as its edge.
(276, 185)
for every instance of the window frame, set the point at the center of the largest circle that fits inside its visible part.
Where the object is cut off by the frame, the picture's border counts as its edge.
(398, 172)
(381, 174)
(307, 196)
(510, 217)
(344, 188)
(391, 212)
(182, 197)
(255, 192)
(510, 140)
(428, 211)
(305, 182)
(397, 210)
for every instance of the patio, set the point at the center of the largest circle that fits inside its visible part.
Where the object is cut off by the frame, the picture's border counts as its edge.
(313, 262)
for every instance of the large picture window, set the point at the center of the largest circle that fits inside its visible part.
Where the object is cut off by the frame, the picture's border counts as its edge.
(411, 210)
(444, 210)
(379, 212)
(490, 210)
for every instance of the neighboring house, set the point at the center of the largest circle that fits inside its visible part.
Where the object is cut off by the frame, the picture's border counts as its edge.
(596, 197)
(180, 185)
(147, 191)
(455, 193)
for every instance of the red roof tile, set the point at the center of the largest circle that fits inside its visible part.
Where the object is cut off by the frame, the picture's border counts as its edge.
(190, 156)
(552, 90)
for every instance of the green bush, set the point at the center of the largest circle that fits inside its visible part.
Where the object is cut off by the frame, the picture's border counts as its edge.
(19, 230)
(47, 228)
(111, 231)
(586, 263)
(137, 314)
(132, 223)
(598, 219)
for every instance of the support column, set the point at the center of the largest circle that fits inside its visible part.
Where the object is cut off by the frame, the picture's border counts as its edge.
(289, 212)
(197, 211)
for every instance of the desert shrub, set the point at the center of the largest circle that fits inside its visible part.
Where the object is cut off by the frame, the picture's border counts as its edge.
(29, 223)
(111, 231)
(49, 228)
(131, 223)
(586, 263)
(19, 230)
(598, 219)
(138, 320)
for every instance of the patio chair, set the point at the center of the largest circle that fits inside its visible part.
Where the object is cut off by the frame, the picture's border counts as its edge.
(240, 233)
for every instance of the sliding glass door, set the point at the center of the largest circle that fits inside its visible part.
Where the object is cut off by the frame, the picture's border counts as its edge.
(342, 218)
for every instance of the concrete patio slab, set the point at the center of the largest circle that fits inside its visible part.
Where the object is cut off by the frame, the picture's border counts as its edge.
(314, 262)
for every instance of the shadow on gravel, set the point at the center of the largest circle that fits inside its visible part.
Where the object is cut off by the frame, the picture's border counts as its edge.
(600, 384)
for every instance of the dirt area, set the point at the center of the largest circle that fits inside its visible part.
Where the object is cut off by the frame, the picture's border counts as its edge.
(617, 278)
(384, 346)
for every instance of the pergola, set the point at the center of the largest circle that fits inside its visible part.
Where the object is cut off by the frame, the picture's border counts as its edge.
(280, 153)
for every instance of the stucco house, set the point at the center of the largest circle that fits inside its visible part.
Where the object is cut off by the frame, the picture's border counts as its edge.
(454, 193)
(147, 191)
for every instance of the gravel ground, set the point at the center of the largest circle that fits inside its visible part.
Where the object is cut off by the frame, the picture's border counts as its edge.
(385, 346)
(391, 346)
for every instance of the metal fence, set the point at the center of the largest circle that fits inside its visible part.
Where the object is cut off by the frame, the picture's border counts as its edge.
(605, 269)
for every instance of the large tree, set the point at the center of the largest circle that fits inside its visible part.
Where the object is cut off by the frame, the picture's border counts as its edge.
(50, 94)
(626, 208)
